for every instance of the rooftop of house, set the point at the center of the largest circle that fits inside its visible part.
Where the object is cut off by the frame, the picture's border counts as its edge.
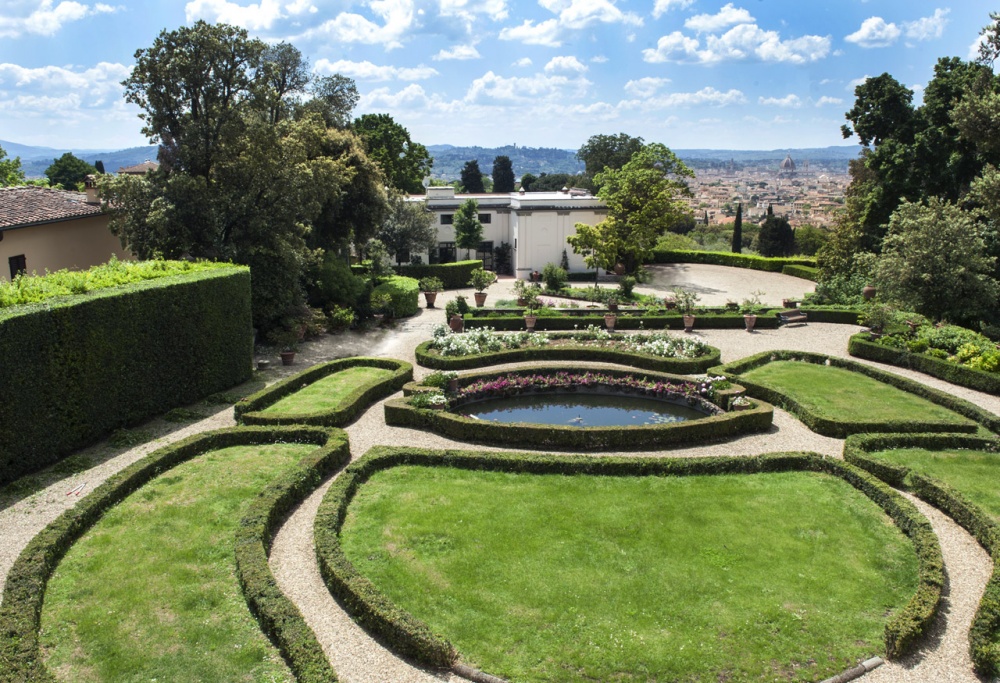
(21, 207)
(139, 169)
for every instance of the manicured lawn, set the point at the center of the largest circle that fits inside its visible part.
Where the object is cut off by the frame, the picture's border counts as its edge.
(839, 394)
(786, 576)
(149, 593)
(976, 474)
(329, 392)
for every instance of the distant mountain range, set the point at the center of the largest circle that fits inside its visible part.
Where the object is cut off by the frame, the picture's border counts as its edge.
(449, 159)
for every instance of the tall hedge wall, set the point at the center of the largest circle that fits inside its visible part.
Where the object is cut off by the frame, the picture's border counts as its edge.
(454, 275)
(76, 368)
(725, 258)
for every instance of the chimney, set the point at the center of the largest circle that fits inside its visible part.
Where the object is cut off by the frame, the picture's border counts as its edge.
(90, 183)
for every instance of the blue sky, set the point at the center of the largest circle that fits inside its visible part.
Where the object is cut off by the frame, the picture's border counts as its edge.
(747, 74)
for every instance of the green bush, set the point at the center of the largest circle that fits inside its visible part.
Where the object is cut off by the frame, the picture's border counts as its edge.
(333, 283)
(78, 368)
(408, 636)
(404, 295)
(453, 275)
(555, 277)
(804, 272)
(973, 378)
(725, 258)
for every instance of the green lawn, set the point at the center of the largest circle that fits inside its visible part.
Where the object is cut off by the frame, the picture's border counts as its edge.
(839, 394)
(329, 392)
(150, 593)
(975, 473)
(555, 578)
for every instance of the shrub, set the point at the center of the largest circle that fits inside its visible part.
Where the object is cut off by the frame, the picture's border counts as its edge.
(725, 258)
(334, 284)
(804, 272)
(431, 284)
(625, 286)
(404, 295)
(554, 276)
(453, 275)
(340, 319)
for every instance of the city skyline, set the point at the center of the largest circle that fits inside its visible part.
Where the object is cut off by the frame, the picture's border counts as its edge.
(758, 74)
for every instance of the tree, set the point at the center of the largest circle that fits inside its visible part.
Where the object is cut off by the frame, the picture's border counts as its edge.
(68, 171)
(99, 167)
(472, 178)
(934, 262)
(407, 227)
(10, 170)
(883, 109)
(642, 201)
(285, 76)
(404, 162)
(597, 245)
(608, 151)
(738, 230)
(468, 229)
(503, 174)
(527, 181)
(334, 97)
(776, 237)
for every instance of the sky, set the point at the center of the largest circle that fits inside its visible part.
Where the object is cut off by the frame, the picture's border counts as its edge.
(746, 74)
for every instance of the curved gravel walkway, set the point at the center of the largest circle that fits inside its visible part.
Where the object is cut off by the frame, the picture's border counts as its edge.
(25, 510)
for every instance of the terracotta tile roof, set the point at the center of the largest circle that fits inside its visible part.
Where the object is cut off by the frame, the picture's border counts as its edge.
(139, 169)
(24, 206)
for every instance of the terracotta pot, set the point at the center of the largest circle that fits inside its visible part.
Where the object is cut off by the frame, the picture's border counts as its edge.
(789, 303)
(732, 306)
(536, 276)
(430, 297)
(750, 321)
(457, 323)
(688, 322)
(619, 269)
(287, 357)
(609, 321)
(868, 292)
(612, 306)
(521, 301)
(480, 298)
(529, 322)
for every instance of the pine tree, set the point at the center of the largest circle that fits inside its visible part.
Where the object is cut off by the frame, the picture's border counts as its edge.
(503, 174)
(738, 230)
(472, 178)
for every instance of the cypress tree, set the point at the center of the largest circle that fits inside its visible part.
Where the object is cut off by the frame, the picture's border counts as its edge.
(738, 230)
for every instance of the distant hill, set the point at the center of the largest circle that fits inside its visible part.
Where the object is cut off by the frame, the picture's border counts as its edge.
(34, 160)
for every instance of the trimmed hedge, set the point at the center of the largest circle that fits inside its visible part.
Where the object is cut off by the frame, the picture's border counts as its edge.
(704, 321)
(838, 315)
(404, 293)
(399, 412)
(409, 636)
(428, 358)
(841, 429)
(76, 368)
(454, 275)
(804, 272)
(725, 258)
(963, 376)
(24, 591)
(984, 636)
(247, 410)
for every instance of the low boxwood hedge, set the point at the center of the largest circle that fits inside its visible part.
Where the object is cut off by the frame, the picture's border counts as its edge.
(838, 315)
(401, 413)
(409, 636)
(247, 411)
(24, 591)
(454, 275)
(429, 358)
(725, 258)
(839, 428)
(804, 272)
(509, 322)
(984, 636)
(404, 295)
(861, 347)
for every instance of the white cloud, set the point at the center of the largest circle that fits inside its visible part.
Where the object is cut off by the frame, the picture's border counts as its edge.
(851, 85)
(491, 88)
(663, 6)
(875, 32)
(397, 18)
(825, 100)
(543, 33)
(382, 98)
(727, 16)
(571, 15)
(741, 43)
(47, 19)
(254, 17)
(706, 96)
(459, 52)
(598, 59)
(467, 10)
(645, 87)
(366, 71)
(790, 101)
(565, 64)
(523, 62)
(927, 28)
(97, 80)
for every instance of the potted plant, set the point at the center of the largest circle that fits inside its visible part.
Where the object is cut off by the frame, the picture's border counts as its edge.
(732, 305)
(520, 290)
(613, 304)
(287, 340)
(531, 303)
(480, 279)
(455, 311)
(609, 321)
(380, 302)
(877, 317)
(750, 308)
(686, 300)
(430, 286)
(789, 303)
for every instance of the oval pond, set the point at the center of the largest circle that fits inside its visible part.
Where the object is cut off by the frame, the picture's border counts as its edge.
(580, 410)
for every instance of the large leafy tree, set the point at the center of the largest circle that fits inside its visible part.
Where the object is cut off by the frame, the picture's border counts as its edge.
(608, 151)
(776, 237)
(503, 174)
(472, 178)
(68, 171)
(643, 201)
(10, 170)
(405, 163)
(468, 229)
(334, 97)
(407, 227)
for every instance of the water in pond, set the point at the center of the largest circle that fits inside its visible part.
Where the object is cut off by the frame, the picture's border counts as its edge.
(579, 410)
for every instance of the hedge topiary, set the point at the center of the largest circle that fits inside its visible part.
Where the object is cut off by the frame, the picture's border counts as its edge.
(453, 275)
(248, 410)
(804, 272)
(24, 591)
(409, 636)
(76, 368)
(985, 631)
(404, 295)
(725, 258)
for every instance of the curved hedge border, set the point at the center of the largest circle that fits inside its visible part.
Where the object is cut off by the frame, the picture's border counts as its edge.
(725, 258)
(970, 378)
(400, 413)
(409, 636)
(682, 366)
(984, 636)
(841, 429)
(24, 592)
(804, 272)
(76, 368)
(247, 411)
(569, 322)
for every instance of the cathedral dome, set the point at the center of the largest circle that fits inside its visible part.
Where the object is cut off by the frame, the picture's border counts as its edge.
(788, 164)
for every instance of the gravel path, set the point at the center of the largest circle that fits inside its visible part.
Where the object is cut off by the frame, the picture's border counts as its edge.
(26, 508)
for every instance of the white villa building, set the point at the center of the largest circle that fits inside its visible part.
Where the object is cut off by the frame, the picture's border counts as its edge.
(534, 224)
